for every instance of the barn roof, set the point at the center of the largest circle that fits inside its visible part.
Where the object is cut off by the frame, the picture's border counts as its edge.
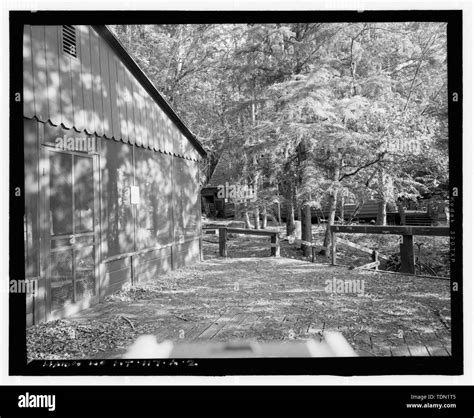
(135, 69)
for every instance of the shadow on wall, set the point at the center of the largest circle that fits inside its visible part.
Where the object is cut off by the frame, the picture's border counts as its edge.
(96, 96)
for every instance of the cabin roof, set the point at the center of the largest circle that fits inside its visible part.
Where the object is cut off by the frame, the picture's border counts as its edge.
(221, 172)
(139, 74)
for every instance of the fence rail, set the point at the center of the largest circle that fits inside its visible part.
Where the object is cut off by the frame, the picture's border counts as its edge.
(223, 238)
(407, 253)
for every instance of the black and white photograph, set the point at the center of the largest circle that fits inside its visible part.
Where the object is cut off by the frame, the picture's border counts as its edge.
(244, 189)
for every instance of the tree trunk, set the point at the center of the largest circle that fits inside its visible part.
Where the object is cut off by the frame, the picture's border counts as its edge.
(248, 224)
(297, 213)
(332, 205)
(265, 217)
(290, 219)
(342, 209)
(236, 211)
(356, 210)
(382, 213)
(278, 206)
(256, 217)
(401, 212)
(382, 206)
(256, 178)
(279, 212)
(331, 217)
(306, 232)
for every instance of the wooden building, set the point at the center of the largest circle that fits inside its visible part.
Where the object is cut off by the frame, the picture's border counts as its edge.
(212, 205)
(111, 172)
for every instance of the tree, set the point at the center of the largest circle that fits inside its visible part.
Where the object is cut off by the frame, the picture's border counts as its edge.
(364, 103)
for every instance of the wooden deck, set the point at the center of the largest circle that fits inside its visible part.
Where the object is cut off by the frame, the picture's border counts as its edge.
(277, 299)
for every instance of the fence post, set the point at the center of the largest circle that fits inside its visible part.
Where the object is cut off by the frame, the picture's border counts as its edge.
(275, 245)
(407, 255)
(375, 258)
(223, 242)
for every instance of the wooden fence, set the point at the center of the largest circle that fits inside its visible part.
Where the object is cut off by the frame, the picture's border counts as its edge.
(407, 253)
(223, 238)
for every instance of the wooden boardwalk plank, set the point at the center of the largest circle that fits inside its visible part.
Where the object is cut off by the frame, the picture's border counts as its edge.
(433, 345)
(400, 351)
(217, 325)
(416, 347)
(232, 324)
(443, 344)
(197, 329)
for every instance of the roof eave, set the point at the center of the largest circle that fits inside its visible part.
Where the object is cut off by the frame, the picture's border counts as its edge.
(135, 69)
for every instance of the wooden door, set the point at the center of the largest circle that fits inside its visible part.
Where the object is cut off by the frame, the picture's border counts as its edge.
(70, 236)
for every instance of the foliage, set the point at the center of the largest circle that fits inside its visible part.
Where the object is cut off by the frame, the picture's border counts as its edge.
(310, 110)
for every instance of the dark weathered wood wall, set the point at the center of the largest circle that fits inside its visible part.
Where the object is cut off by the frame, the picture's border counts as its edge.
(97, 96)
(94, 92)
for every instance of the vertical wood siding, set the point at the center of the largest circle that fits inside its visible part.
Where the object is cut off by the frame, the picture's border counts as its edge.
(98, 115)
(113, 97)
(105, 84)
(77, 90)
(167, 216)
(94, 92)
(53, 77)
(40, 74)
(131, 134)
(28, 89)
(121, 103)
(86, 79)
(65, 83)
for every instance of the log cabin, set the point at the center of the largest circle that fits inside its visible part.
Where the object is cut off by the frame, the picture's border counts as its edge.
(112, 194)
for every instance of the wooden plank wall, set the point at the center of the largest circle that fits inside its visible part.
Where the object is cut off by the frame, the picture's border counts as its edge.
(186, 253)
(95, 92)
(117, 273)
(151, 264)
(177, 214)
(97, 95)
(31, 217)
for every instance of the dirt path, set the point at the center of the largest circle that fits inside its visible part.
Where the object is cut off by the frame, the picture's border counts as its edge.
(259, 298)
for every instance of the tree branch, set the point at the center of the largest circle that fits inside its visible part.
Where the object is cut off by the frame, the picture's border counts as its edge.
(353, 173)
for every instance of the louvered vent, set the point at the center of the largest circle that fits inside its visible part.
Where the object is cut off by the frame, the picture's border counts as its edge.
(69, 40)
